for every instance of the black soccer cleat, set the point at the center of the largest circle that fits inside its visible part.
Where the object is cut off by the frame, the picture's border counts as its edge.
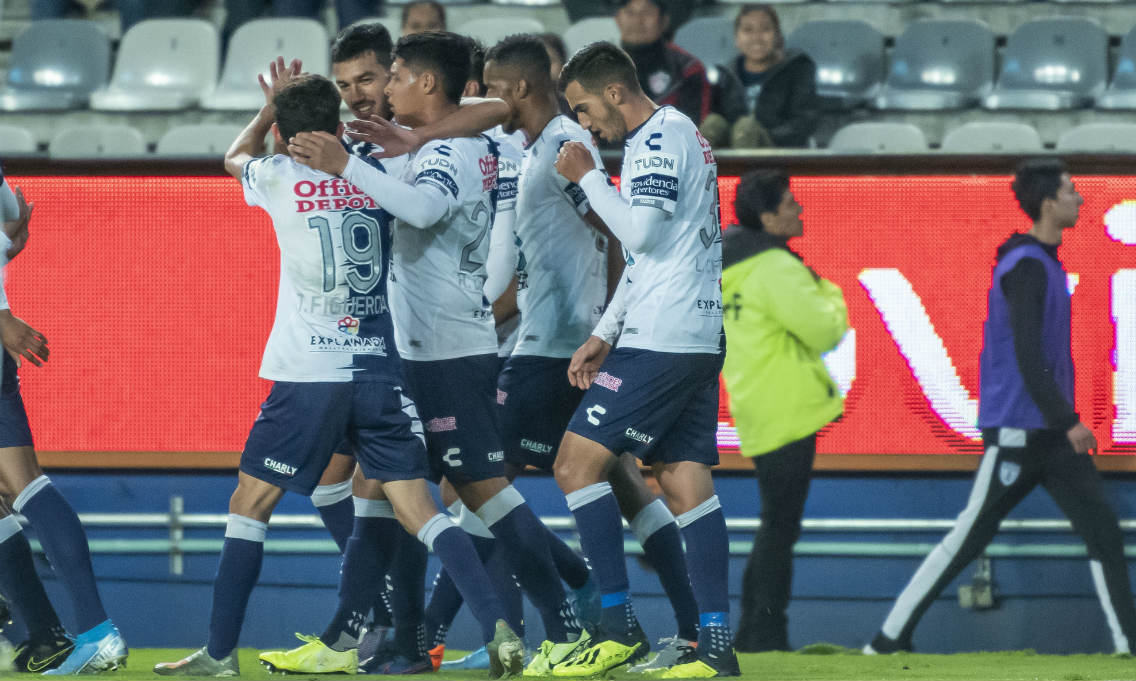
(43, 651)
(882, 645)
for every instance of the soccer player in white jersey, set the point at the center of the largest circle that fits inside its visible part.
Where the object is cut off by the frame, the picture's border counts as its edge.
(444, 325)
(335, 367)
(26, 490)
(656, 394)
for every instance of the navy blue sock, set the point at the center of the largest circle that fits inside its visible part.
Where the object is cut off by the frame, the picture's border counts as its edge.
(337, 510)
(369, 552)
(237, 573)
(662, 547)
(524, 539)
(500, 571)
(20, 583)
(708, 554)
(601, 535)
(63, 540)
(456, 552)
(408, 595)
(572, 567)
(445, 602)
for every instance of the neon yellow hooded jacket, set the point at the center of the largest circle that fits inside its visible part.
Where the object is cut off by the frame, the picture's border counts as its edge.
(779, 318)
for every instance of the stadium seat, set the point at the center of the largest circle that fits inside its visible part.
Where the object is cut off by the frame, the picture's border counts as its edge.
(1121, 92)
(984, 137)
(253, 46)
(55, 64)
(849, 56)
(16, 140)
(711, 39)
(1106, 137)
(1053, 63)
(587, 31)
(527, 3)
(163, 65)
(199, 139)
(882, 138)
(97, 141)
(491, 31)
(939, 64)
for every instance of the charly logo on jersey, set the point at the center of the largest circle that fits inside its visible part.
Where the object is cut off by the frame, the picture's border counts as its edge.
(277, 467)
(349, 325)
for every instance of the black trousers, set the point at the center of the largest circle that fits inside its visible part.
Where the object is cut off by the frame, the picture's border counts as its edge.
(1017, 461)
(783, 477)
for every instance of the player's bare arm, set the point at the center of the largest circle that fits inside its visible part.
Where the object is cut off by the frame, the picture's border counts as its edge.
(250, 142)
(615, 260)
(574, 161)
(21, 340)
(474, 116)
(319, 150)
(17, 229)
(1082, 439)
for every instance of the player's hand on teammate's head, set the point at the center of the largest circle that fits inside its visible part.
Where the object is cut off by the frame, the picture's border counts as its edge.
(394, 139)
(22, 341)
(574, 161)
(279, 74)
(17, 228)
(319, 150)
(586, 361)
(1082, 439)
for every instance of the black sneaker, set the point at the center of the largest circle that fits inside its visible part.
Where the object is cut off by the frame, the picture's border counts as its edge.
(388, 659)
(882, 645)
(43, 652)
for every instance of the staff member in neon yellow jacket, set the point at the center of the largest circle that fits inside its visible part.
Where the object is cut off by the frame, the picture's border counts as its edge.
(779, 317)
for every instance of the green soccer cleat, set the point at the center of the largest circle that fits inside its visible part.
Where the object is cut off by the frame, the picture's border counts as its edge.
(603, 656)
(506, 653)
(552, 654)
(200, 664)
(311, 658)
(704, 668)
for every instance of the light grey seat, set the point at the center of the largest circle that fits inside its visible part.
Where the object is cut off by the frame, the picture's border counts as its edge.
(1121, 92)
(881, 138)
(939, 64)
(199, 139)
(491, 31)
(16, 140)
(984, 137)
(711, 39)
(253, 46)
(163, 65)
(1053, 63)
(97, 141)
(55, 64)
(849, 57)
(587, 31)
(1099, 137)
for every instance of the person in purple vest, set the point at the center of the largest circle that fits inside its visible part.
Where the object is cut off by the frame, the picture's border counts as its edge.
(1030, 430)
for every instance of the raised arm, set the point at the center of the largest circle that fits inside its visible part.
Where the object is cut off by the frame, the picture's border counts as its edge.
(250, 142)
(472, 118)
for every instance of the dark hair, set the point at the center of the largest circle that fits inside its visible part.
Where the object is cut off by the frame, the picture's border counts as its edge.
(443, 53)
(359, 39)
(759, 191)
(307, 103)
(767, 10)
(526, 53)
(477, 64)
(596, 66)
(436, 6)
(1035, 180)
(664, 10)
(555, 43)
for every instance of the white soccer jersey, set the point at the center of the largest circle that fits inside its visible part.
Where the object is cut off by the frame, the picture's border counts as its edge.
(438, 273)
(673, 296)
(562, 269)
(332, 318)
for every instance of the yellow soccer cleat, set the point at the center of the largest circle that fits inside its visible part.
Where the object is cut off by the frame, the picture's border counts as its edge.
(599, 659)
(701, 669)
(552, 654)
(311, 658)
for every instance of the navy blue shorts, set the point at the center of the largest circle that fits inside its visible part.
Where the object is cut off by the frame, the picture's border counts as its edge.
(457, 402)
(537, 402)
(14, 428)
(301, 424)
(660, 406)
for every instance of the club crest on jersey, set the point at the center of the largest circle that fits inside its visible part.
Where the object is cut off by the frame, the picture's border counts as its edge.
(349, 325)
(658, 81)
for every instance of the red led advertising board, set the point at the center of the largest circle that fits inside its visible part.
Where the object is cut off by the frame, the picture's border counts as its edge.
(157, 295)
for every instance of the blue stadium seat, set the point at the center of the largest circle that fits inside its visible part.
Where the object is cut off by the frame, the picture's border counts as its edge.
(163, 65)
(1051, 64)
(711, 39)
(939, 64)
(849, 56)
(253, 46)
(1121, 92)
(55, 64)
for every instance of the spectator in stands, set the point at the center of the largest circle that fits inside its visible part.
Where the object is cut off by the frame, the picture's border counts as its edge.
(130, 12)
(779, 316)
(423, 15)
(678, 10)
(667, 73)
(768, 94)
(347, 12)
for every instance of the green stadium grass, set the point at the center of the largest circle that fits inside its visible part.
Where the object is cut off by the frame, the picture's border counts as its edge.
(819, 662)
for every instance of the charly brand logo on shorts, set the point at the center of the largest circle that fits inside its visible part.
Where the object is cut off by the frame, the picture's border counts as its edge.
(442, 424)
(606, 380)
(538, 447)
(636, 435)
(592, 411)
(497, 456)
(281, 468)
(349, 325)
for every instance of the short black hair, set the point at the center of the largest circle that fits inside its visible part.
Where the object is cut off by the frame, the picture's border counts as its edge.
(759, 191)
(664, 8)
(477, 64)
(359, 39)
(598, 65)
(526, 53)
(307, 103)
(554, 42)
(436, 6)
(445, 54)
(1035, 180)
